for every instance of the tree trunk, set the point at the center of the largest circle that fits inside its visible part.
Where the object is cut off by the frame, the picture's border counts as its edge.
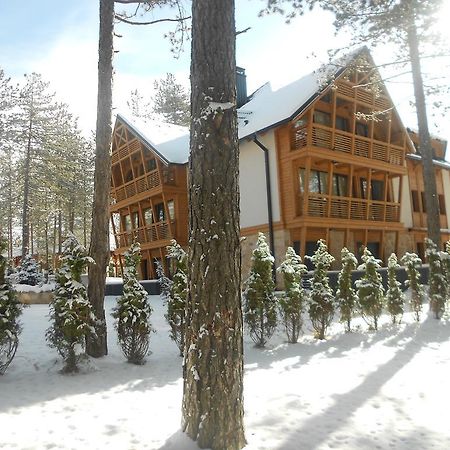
(99, 248)
(26, 191)
(212, 397)
(425, 149)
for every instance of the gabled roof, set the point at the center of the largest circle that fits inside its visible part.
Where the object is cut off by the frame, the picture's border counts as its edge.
(266, 109)
(170, 142)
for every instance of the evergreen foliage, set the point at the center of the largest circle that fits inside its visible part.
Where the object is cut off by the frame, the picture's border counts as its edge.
(321, 300)
(437, 288)
(293, 299)
(345, 295)
(70, 311)
(10, 310)
(260, 312)
(133, 311)
(172, 101)
(165, 283)
(370, 289)
(394, 296)
(29, 273)
(177, 294)
(445, 257)
(411, 261)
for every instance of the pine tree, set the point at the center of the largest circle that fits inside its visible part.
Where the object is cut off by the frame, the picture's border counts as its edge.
(394, 295)
(165, 283)
(321, 299)
(370, 289)
(176, 301)
(345, 295)
(293, 300)
(171, 101)
(445, 258)
(10, 310)
(260, 313)
(29, 272)
(411, 262)
(70, 310)
(437, 289)
(133, 311)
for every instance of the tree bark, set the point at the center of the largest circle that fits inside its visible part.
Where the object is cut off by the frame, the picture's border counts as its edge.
(26, 190)
(425, 148)
(99, 248)
(213, 371)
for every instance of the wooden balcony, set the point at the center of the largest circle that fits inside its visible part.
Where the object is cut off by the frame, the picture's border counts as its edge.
(140, 184)
(159, 231)
(322, 205)
(342, 141)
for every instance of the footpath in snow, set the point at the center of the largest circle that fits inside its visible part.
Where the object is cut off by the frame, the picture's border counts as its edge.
(363, 390)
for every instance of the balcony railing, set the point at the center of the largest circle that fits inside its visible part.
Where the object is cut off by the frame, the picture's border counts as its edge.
(322, 205)
(150, 233)
(136, 186)
(342, 141)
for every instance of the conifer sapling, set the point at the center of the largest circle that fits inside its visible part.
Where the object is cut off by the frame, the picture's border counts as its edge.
(133, 311)
(10, 310)
(411, 261)
(321, 299)
(345, 295)
(260, 312)
(394, 295)
(370, 289)
(437, 289)
(293, 298)
(70, 310)
(29, 273)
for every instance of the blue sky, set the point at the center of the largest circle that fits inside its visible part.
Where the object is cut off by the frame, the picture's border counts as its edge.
(59, 39)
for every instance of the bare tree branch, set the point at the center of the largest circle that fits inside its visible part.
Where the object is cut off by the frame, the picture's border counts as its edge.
(132, 22)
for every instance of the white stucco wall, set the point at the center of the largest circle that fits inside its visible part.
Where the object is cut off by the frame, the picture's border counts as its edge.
(446, 183)
(405, 202)
(252, 181)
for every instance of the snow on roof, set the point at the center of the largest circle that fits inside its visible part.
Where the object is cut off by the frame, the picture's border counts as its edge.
(436, 162)
(265, 109)
(170, 142)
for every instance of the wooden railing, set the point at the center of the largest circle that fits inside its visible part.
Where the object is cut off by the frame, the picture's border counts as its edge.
(125, 150)
(322, 205)
(156, 232)
(136, 186)
(342, 141)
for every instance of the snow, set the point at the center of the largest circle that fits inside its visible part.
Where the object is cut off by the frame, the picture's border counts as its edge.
(48, 287)
(361, 390)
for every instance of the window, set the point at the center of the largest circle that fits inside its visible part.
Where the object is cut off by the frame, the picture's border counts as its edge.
(127, 222)
(377, 190)
(340, 185)
(363, 187)
(424, 205)
(326, 98)
(135, 219)
(322, 118)
(160, 213)
(362, 129)
(171, 209)
(341, 123)
(318, 181)
(148, 216)
(151, 164)
(441, 204)
(415, 201)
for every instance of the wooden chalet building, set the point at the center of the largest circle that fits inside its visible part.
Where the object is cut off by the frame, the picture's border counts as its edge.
(311, 166)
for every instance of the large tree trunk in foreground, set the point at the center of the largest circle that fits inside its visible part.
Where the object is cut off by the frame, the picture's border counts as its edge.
(99, 248)
(213, 371)
(425, 149)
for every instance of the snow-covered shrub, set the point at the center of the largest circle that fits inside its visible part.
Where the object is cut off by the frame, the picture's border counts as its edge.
(411, 261)
(10, 310)
(370, 289)
(394, 296)
(70, 311)
(260, 310)
(177, 294)
(293, 298)
(436, 280)
(165, 283)
(321, 300)
(28, 272)
(445, 257)
(345, 295)
(133, 311)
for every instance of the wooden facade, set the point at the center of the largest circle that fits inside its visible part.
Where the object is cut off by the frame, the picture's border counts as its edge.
(148, 199)
(341, 176)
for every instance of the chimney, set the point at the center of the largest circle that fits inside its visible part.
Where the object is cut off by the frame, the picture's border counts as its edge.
(241, 86)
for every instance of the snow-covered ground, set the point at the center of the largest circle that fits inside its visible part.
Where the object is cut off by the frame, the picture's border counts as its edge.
(364, 390)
